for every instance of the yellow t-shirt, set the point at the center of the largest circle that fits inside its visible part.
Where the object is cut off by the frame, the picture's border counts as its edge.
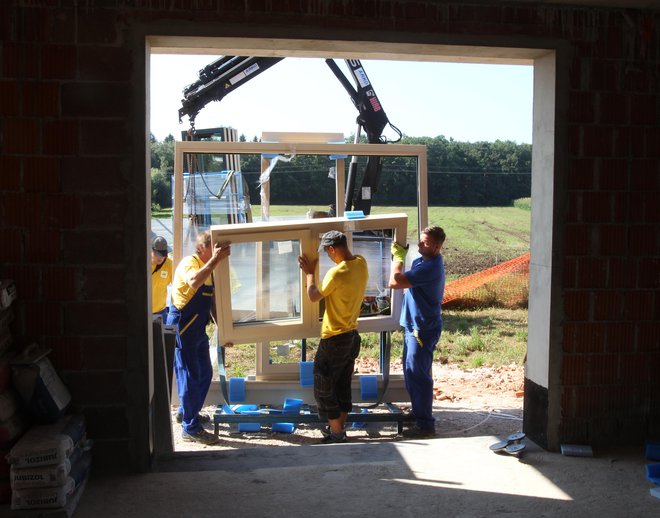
(343, 291)
(160, 279)
(181, 290)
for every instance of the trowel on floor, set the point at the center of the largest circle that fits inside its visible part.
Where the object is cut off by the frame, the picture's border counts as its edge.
(511, 445)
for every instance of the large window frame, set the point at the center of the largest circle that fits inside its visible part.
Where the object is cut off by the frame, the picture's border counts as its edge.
(307, 231)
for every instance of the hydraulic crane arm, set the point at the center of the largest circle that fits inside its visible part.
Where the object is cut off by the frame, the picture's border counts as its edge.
(226, 74)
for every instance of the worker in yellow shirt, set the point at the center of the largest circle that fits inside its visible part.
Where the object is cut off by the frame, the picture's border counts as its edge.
(161, 276)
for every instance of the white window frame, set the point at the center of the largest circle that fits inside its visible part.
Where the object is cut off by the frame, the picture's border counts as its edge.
(308, 232)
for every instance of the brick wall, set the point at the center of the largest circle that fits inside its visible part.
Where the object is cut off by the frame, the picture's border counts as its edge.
(73, 191)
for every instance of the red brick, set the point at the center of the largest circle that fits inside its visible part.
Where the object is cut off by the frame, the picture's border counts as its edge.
(106, 423)
(10, 173)
(100, 26)
(59, 283)
(104, 352)
(605, 75)
(620, 204)
(649, 273)
(622, 272)
(101, 210)
(644, 109)
(43, 318)
(637, 212)
(94, 318)
(643, 240)
(9, 98)
(589, 338)
(589, 401)
(104, 137)
(62, 211)
(607, 305)
(592, 272)
(598, 141)
(23, 209)
(19, 60)
(575, 138)
(596, 207)
(99, 63)
(645, 175)
(568, 340)
(92, 175)
(634, 369)
(41, 174)
(66, 353)
(652, 137)
(578, 239)
(96, 388)
(60, 137)
(42, 245)
(574, 208)
(570, 273)
(574, 370)
(96, 100)
(12, 245)
(603, 369)
(104, 284)
(582, 174)
(613, 174)
(96, 247)
(40, 99)
(576, 305)
(619, 337)
(58, 62)
(20, 136)
(581, 107)
(638, 305)
(648, 336)
(613, 108)
(612, 240)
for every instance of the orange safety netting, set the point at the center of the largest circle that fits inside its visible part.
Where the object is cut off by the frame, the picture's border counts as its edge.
(459, 288)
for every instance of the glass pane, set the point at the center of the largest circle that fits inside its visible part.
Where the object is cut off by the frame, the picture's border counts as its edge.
(374, 246)
(265, 281)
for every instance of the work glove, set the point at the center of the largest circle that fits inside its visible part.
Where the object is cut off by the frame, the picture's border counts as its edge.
(398, 252)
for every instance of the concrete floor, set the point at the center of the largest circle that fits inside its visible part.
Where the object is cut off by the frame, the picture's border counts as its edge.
(443, 477)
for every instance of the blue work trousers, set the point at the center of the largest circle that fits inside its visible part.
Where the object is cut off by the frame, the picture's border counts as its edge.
(418, 348)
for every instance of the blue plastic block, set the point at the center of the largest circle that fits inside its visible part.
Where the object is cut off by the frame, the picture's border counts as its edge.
(368, 388)
(361, 424)
(236, 389)
(226, 409)
(337, 157)
(354, 214)
(306, 374)
(249, 427)
(284, 427)
(292, 406)
(653, 473)
(652, 450)
(244, 408)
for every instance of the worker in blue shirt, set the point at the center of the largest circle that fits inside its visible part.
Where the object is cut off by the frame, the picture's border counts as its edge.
(421, 319)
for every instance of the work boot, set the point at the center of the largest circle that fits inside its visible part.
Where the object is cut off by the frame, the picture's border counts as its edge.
(334, 438)
(417, 432)
(202, 437)
(203, 418)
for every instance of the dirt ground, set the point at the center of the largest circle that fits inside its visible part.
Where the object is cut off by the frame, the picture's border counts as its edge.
(468, 402)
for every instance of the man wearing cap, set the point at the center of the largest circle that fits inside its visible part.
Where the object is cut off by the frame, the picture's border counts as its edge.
(161, 276)
(190, 312)
(421, 319)
(343, 290)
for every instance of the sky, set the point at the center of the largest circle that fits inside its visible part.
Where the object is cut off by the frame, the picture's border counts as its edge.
(465, 102)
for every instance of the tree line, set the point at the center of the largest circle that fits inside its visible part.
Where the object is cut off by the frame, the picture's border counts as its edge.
(459, 174)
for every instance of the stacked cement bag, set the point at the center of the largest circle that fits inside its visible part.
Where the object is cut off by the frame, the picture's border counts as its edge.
(50, 464)
(13, 422)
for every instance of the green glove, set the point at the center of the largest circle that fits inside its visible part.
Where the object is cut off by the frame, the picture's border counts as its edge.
(398, 252)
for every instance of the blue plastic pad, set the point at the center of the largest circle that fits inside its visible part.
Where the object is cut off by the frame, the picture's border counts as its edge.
(244, 408)
(653, 450)
(306, 374)
(284, 427)
(292, 406)
(354, 214)
(361, 424)
(249, 427)
(236, 390)
(653, 473)
(369, 388)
